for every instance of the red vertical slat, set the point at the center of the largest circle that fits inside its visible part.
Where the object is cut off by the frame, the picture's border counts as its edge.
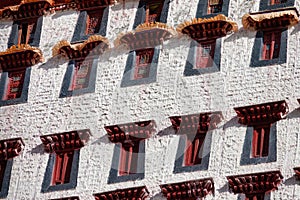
(188, 152)
(265, 149)
(254, 142)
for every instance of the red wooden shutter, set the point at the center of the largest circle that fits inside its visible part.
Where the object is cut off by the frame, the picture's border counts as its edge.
(81, 74)
(260, 141)
(14, 85)
(2, 171)
(153, 11)
(93, 21)
(25, 32)
(271, 45)
(62, 167)
(193, 150)
(143, 63)
(205, 54)
(214, 6)
(129, 159)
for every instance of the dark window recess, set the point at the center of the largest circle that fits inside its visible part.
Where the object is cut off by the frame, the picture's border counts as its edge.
(26, 32)
(62, 167)
(2, 171)
(205, 54)
(15, 83)
(275, 2)
(153, 11)
(214, 6)
(129, 158)
(143, 62)
(271, 45)
(256, 197)
(93, 21)
(260, 141)
(193, 149)
(81, 74)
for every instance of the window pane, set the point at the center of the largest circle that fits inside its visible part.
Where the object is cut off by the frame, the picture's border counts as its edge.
(93, 22)
(14, 85)
(153, 11)
(194, 149)
(205, 54)
(81, 74)
(214, 6)
(62, 167)
(143, 63)
(271, 45)
(129, 159)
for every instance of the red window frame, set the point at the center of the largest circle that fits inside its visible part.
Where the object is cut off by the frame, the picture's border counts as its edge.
(256, 197)
(153, 11)
(3, 164)
(14, 84)
(275, 2)
(205, 54)
(143, 63)
(62, 167)
(81, 74)
(271, 44)
(93, 21)
(194, 149)
(26, 29)
(214, 6)
(260, 140)
(129, 158)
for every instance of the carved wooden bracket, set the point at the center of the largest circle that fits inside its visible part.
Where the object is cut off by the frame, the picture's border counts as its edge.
(130, 132)
(92, 4)
(11, 148)
(196, 123)
(203, 29)
(188, 190)
(250, 184)
(297, 172)
(279, 18)
(138, 193)
(262, 113)
(65, 141)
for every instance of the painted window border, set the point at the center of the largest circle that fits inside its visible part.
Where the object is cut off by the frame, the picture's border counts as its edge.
(127, 79)
(179, 168)
(6, 179)
(47, 187)
(114, 171)
(247, 147)
(3, 86)
(257, 49)
(202, 9)
(14, 35)
(67, 80)
(264, 5)
(189, 69)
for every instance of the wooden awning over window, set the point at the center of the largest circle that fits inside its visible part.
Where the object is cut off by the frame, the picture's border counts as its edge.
(250, 184)
(147, 35)
(24, 9)
(10, 148)
(208, 28)
(262, 113)
(188, 190)
(196, 123)
(139, 193)
(271, 19)
(297, 172)
(93, 46)
(92, 4)
(19, 57)
(131, 131)
(65, 141)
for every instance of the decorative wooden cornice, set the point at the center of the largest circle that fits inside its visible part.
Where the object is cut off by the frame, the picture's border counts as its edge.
(196, 123)
(188, 190)
(297, 172)
(94, 45)
(92, 4)
(20, 56)
(138, 193)
(271, 19)
(24, 9)
(65, 141)
(208, 28)
(130, 132)
(250, 184)
(147, 35)
(11, 148)
(262, 113)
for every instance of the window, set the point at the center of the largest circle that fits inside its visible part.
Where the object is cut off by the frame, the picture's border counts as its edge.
(194, 149)
(274, 2)
(143, 63)
(129, 158)
(214, 6)
(256, 197)
(93, 21)
(62, 167)
(271, 45)
(205, 54)
(81, 74)
(15, 83)
(260, 141)
(153, 11)
(26, 31)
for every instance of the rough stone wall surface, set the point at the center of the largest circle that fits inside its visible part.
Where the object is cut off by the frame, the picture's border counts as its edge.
(235, 85)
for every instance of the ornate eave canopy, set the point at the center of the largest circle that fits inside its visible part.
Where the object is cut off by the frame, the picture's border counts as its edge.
(147, 35)
(196, 123)
(139, 193)
(297, 172)
(25, 9)
(208, 28)
(91, 4)
(131, 131)
(10, 148)
(271, 19)
(65, 141)
(262, 113)
(250, 184)
(21, 56)
(188, 190)
(94, 45)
